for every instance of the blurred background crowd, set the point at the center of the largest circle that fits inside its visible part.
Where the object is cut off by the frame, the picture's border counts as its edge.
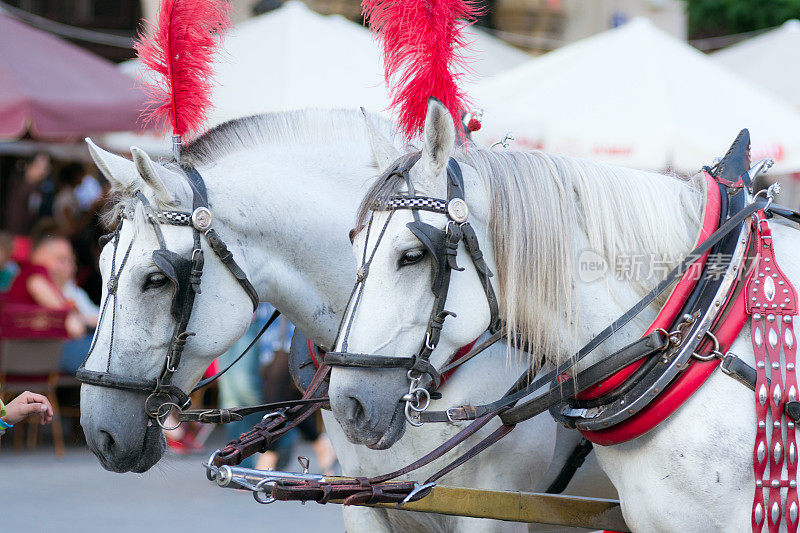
(655, 84)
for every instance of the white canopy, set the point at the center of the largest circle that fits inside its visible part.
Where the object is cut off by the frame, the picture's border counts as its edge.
(637, 97)
(293, 58)
(770, 60)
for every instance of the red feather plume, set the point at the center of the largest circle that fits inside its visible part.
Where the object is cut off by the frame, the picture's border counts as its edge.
(423, 43)
(179, 51)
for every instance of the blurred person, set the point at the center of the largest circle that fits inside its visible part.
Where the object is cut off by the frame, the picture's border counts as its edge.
(25, 405)
(242, 384)
(66, 209)
(51, 264)
(27, 197)
(278, 386)
(88, 191)
(8, 267)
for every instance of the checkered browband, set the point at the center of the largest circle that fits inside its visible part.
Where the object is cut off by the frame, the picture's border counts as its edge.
(424, 203)
(175, 218)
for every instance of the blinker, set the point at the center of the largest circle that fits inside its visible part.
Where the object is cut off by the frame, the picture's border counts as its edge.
(178, 269)
(434, 241)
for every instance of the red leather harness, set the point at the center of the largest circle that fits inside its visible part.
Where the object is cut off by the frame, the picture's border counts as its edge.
(697, 372)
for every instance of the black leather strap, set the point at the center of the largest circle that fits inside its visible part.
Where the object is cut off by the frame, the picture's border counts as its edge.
(573, 463)
(362, 360)
(147, 386)
(561, 390)
(227, 259)
(643, 347)
(234, 414)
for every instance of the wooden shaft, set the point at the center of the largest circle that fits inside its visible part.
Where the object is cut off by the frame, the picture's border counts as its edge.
(513, 506)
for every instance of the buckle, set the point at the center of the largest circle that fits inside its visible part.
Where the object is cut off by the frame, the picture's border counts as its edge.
(727, 361)
(450, 415)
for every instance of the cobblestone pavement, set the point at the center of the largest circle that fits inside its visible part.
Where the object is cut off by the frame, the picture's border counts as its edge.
(39, 493)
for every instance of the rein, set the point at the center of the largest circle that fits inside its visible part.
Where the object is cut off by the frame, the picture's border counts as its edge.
(382, 489)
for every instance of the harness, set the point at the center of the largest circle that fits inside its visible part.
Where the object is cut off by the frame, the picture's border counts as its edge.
(443, 248)
(704, 319)
(185, 274)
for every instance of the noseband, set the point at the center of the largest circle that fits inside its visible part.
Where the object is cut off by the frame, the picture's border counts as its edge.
(185, 274)
(442, 244)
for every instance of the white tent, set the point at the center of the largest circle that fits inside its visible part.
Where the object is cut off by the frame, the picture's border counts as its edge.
(489, 56)
(638, 97)
(770, 60)
(293, 58)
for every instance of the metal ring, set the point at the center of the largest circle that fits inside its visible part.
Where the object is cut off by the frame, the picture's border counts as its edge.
(713, 354)
(261, 484)
(172, 407)
(211, 470)
(662, 330)
(419, 393)
(409, 417)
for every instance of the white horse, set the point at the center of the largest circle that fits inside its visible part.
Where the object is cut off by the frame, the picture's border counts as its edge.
(534, 214)
(284, 189)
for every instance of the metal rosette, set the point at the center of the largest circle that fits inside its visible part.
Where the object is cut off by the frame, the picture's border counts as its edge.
(673, 362)
(202, 219)
(457, 210)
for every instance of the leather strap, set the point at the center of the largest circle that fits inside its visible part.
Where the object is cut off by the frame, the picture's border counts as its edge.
(113, 381)
(274, 424)
(361, 360)
(227, 259)
(573, 463)
(234, 414)
(643, 347)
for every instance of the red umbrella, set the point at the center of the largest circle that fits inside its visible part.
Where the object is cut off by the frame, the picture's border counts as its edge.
(57, 91)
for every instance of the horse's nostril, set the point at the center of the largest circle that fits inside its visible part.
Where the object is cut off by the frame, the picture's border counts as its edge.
(356, 409)
(107, 443)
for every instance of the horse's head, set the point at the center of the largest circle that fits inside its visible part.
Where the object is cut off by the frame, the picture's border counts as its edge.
(405, 258)
(139, 318)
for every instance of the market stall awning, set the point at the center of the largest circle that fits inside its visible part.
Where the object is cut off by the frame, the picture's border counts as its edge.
(55, 91)
(638, 97)
(294, 58)
(768, 60)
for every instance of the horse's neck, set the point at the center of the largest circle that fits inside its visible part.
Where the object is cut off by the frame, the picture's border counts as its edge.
(601, 301)
(291, 226)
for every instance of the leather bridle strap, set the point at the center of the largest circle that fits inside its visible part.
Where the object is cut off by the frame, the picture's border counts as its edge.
(186, 274)
(561, 391)
(443, 247)
(235, 414)
(275, 424)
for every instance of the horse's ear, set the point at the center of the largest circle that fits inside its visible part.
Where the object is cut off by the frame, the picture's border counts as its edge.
(120, 172)
(147, 170)
(439, 136)
(383, 150)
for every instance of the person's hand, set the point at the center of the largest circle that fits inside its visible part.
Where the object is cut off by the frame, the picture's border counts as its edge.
(75, 326)
(27, 404)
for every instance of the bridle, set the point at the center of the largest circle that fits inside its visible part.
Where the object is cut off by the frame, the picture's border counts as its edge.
(185, 274)
(442, 244)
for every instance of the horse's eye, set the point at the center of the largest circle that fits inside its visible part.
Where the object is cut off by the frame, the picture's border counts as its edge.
(411, 257)
(155, 280)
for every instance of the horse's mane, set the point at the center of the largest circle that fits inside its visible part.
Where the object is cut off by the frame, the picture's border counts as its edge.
(537, 199)
(300, 127)
(286, 127)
